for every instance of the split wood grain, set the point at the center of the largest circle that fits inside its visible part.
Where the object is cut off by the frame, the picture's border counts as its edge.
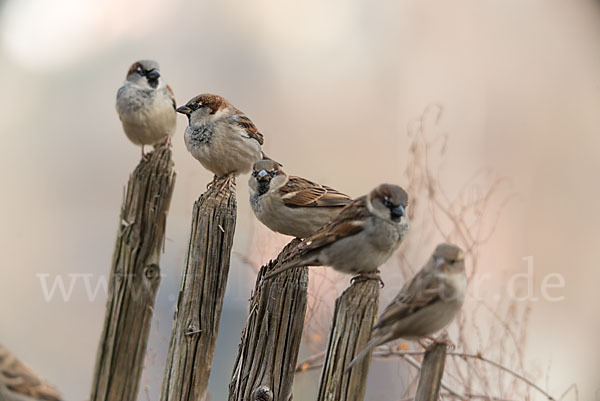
(200, 301)
(268, 352)
(432, 371)
(354, 316)
(134, 279)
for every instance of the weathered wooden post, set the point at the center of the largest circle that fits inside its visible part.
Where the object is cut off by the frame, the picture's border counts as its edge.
(432, 371)
(354, 316)
(266, 361)
(196, 320)
(134, 279)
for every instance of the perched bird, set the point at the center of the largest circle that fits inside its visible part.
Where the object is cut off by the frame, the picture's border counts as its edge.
(19, 383)
(220, 136)
(146, 105)
(425, 304)
(360, 238)
(291, 205)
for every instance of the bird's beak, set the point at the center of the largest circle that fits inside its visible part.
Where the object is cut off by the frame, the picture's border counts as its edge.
(439, 262)
(184, 110)
(153, 74)
(398, 212)
(262, 175)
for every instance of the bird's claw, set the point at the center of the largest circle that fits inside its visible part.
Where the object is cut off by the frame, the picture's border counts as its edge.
(367, 276)
(145, 156)
(442, 339)
(164, 143)
(227, 182)
(213, 182)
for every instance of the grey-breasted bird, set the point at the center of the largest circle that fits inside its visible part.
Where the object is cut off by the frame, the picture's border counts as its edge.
(146, 105)
(360, 238)
(292, 205)
(221, 137)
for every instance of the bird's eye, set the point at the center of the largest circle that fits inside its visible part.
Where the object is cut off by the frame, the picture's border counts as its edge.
(386, 202)
(254, 173)
(272, 173)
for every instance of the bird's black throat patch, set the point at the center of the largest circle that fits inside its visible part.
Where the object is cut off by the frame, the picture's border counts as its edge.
(201, 134)
(263, 187)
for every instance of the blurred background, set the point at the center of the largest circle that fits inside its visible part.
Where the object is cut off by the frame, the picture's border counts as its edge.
(333, 86)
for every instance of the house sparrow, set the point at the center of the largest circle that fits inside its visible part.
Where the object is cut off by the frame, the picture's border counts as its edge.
(220, 136)
(146, 105)
(291, 205)
(425, 304)
(360, 238)
(19, 383)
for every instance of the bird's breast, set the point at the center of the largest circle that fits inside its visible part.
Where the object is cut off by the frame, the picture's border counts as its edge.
(255, 202)
(457, 284)
(200, 134)
(131, 99)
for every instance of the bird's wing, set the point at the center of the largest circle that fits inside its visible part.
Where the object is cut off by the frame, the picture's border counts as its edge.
(172, 96)
(20, 379)
(242, 121)
(300, 192)
(349, 222)
(423, 290)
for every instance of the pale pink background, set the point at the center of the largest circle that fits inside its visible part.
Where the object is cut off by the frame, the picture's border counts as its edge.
(333, 86)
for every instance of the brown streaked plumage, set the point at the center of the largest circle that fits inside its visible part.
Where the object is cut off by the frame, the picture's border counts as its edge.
(247, 125)
(221, 137)
(300, 192)
(292, 205)
(360, 238)
(172, 96)
(426, 304)
(350, 222)
(19, 383)
(215, 103)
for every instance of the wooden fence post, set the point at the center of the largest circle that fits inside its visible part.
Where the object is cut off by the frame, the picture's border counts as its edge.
(354, 316)
(268, 352)
(196, 320)
(134, 279)
(432, 371)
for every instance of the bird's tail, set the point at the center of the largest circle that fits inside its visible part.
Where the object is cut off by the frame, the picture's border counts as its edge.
(278, 271)
(374, 342)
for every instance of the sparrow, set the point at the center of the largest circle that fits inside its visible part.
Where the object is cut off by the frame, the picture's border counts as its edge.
(19, 383)
(222, 138)
(291, 205)
(146, 105)
(426, 304)
(360, 238)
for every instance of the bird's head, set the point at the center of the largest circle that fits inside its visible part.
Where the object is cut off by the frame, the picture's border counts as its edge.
(448, 258)
(203, 106)
(389, 202)
(266, 175)
(145, 73)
